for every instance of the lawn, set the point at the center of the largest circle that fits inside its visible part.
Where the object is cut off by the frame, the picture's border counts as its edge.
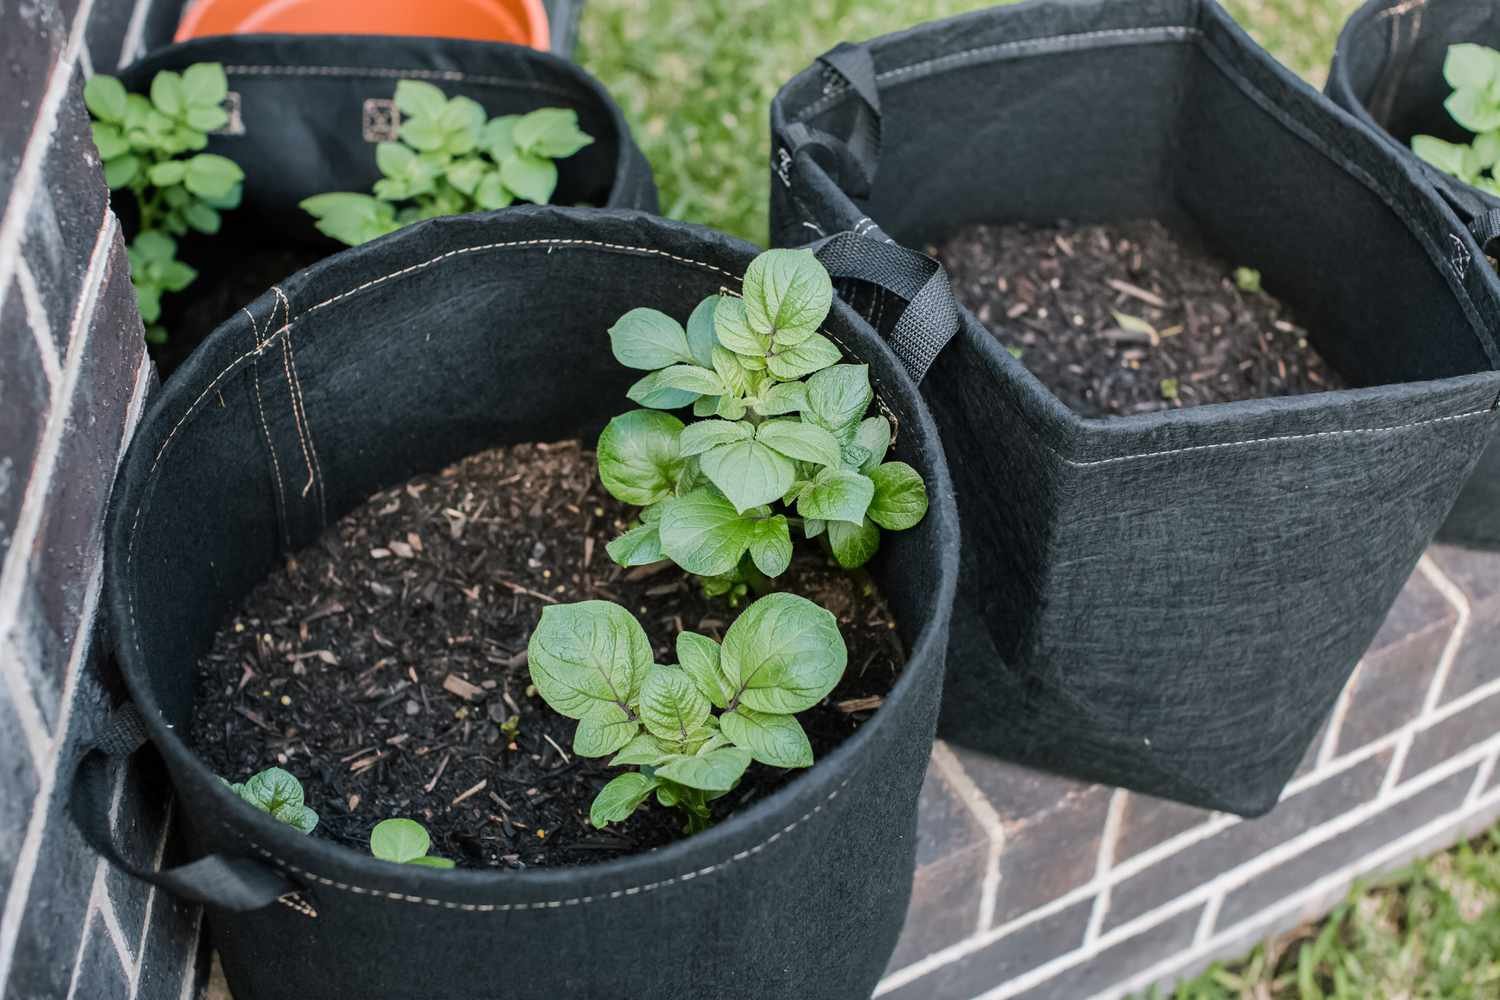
(696, 80)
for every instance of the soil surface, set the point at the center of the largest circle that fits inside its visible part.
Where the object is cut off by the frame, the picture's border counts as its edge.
(1130, 318)
(220, 290)
(385, 666)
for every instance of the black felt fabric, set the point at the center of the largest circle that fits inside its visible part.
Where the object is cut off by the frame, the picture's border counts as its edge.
(450, 337)
(1169, 602)
(1388, 72)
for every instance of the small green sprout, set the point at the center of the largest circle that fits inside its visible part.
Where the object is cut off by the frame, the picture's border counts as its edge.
(785, 437)
(145, 145)
(451, 158)
(1169, 388)
(593, 662)
(1248, 280)
(1473, 71)
(405, 842)
(279, 793)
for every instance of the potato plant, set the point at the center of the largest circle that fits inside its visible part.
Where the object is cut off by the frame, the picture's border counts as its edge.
(404, 842)
(150, 148)
(450, 158)
(593, 662)
(1473, 71)
(784, 436)
(279, 793)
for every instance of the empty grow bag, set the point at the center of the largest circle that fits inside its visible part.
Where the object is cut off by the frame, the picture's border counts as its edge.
(1388, 72)
(1168, 601)
(306, 114)
(448, 338)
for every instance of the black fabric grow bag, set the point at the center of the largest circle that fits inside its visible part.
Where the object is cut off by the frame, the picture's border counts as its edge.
(306, 112)
(1169, 602)
(1388, 72)
(450, 337)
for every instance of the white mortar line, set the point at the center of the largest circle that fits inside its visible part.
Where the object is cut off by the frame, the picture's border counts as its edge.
(1324, 886)
(1232, 878)
(1330, 746)
(88, 930)
(128, 961)
(85, 61)
(28, 175)
(31, 844)
(1482, 778)
(1182, 904)
(15, 573)
(1106, 860)
(1209, 919)
(190, 965)
(1454, 596)
(953, 774)
(41, 327)
(156, 863)
(133, 45)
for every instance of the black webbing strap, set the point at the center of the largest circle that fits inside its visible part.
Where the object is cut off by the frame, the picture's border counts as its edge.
(854, 66)
(930, 318)
(217, 880)
(1486, 230)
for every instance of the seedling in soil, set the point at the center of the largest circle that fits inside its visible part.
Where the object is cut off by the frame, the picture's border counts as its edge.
(1248, 280)
(451, 158)
(784, 436)
(149, 147)
(1473, 71)
(279, 793)
(593, 662)
(404, 841)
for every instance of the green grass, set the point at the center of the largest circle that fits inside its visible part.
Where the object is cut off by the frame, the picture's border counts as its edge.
(696, 78)
(1429, 932)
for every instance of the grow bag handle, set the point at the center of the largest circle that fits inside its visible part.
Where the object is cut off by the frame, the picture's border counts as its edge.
(1486, 229)
(230, 883)
(930, 318)
(854, 66)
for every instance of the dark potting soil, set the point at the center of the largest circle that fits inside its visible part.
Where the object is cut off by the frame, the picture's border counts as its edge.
(385, 666)
(1130, 318)
(221, 289)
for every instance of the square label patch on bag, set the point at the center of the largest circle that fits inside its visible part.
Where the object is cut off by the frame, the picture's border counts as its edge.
(236, 123)
(382, 122)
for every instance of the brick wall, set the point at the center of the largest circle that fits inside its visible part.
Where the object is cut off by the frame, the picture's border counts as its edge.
(73, 379)
(1036, 887)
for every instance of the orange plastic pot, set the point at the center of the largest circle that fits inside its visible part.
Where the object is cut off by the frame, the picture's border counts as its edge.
(521, 22)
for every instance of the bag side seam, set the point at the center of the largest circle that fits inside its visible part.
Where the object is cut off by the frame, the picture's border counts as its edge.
(260, 405)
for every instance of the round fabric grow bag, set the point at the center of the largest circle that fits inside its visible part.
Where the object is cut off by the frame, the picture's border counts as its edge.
(1388, 72)
(450, 337)
(1170, 601)
(305, 115)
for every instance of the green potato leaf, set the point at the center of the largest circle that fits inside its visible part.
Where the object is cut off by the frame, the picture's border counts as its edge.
(602, 737)
(813, 353)
(732, 327)
(837, 494)
(803, 442)
(771, 545)
(399, 840)
(853, 544)
(787, 292)
(781, 398)
(701, 336)
(551, 132)
(640, 546)
(588, 660)
(106, 99)
(619, 799)
(837, 398)
(420, 100)
(704, 534)
(773, 740)
(716, 771)
(672, 707)
(204, 85)
(648, 339)
(639, 458)
(900, 499)
(211, 176)
(705, 434)
(783, 655)
(699, 657)
(749, 473)
(167, 93)
(532, 178)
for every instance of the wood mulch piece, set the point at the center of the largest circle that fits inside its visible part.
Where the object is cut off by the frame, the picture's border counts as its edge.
(385, 666)
(1130, 318)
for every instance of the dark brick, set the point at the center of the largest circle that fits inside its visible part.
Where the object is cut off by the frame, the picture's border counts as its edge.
(18, 788)
(64, 876)
(1390, 687)
(1052, 830)
(1452, 736)
(1148, 821)
(1129, 958)
(25, 398)
(69, 541)
(1335, 853)
(34, 34)
(138, 830)
(173, 948)
(105, 35)
(63, 224)
(952, 851)
(101, 973)
(1418, 608)
(1478, 659)
(1472, 570)
(1314, 748)
(1015, 954)
(1173, 876)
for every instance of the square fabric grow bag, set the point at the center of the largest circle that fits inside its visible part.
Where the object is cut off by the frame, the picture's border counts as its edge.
(399, 357)
(1172, 601)
(306, 114)
(1388, 72)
